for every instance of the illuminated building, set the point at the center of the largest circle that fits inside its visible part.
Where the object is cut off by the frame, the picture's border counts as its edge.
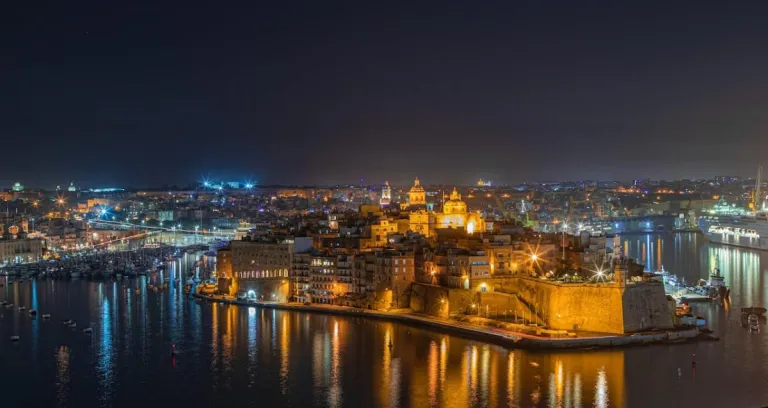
(457, 268)
(386, 195)
(330, 278)
(300, 275)
(71, 187)
(20, 250)
(455, 215)
(227, 284)
(377, 237)
(265, 259)
(385, 277)
(417, 196)
(422, 222)
(396, 270)
(17, 187)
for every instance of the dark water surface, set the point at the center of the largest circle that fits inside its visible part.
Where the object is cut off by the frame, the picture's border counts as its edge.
(239, 356)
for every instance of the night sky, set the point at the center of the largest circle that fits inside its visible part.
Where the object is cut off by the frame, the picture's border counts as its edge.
(140, 94)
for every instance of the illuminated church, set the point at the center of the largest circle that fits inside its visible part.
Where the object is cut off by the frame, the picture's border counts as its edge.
(454, 213)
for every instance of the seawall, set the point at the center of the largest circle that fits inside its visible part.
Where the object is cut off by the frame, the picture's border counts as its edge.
(503, 338)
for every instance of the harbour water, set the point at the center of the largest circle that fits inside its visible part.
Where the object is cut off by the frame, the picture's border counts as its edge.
(231, 355)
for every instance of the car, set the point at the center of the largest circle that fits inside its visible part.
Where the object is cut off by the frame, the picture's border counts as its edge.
(307, 304)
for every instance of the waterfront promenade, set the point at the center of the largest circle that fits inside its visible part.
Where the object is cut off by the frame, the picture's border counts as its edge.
(502, 337)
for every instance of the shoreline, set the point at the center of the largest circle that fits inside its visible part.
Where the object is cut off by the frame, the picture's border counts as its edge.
(485, 334)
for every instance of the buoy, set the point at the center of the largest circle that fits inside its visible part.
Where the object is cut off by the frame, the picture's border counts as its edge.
(679, 372)
(173, 349)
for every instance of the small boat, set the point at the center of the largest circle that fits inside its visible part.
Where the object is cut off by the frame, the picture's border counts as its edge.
(14, 338)
(67, 322)
(88, 330)
(72, 325)
(753, 323)
(138, 291)
(9, 305)
(46, 316)
(21, 308)
(3, 303)
(32, 312)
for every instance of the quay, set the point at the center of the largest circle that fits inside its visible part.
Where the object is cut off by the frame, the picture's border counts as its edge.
(491, 335)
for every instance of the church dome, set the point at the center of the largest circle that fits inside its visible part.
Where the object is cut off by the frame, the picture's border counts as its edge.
(417, 188)
(455, 205)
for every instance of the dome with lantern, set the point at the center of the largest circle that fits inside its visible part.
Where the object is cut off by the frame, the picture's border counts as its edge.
(454, 205)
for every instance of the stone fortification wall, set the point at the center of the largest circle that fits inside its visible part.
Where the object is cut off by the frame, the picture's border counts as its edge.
(496, 303)
(645, 307)
(439, 301)
(604, 307)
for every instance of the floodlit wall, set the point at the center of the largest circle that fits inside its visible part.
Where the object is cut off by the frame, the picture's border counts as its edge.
(605, 307)
(439, 301)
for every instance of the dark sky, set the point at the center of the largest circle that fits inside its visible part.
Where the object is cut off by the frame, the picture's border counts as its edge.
(137, 93)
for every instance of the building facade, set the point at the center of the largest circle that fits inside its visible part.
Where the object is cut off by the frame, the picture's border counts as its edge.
(331, 278)
(20, 250)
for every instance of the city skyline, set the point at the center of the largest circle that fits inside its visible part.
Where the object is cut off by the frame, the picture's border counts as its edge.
(226, 183)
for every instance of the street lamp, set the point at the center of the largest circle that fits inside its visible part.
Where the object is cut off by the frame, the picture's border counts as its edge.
(565, 228)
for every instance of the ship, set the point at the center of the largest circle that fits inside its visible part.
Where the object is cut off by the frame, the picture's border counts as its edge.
(728, 225)
(748, 231)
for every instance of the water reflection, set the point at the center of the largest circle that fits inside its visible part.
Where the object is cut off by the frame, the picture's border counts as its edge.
(246, 355)
(352, 361)
(62, 375)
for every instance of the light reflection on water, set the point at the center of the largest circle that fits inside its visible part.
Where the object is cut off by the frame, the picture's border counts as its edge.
(233, 355)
